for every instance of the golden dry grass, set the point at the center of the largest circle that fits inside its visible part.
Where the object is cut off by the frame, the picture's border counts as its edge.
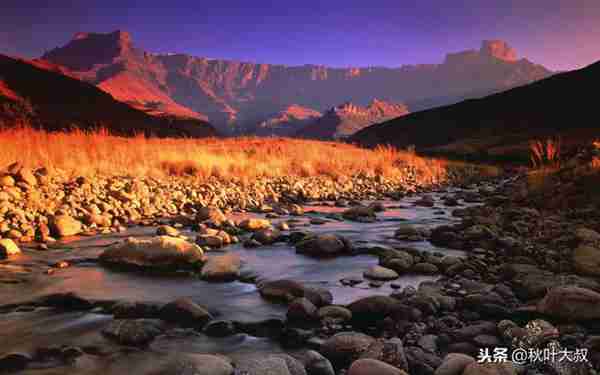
(546, 152)
(79, 153)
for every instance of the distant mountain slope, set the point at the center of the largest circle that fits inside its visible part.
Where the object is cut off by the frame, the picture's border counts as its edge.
(237, 96)
(344, 120)
(41, 95)
(500, 125)
(287, 122)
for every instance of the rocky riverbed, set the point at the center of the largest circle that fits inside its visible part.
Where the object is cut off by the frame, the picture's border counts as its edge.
(373, 279)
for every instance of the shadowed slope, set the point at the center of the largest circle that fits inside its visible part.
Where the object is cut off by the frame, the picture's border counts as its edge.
(30, 94)
(500, 124)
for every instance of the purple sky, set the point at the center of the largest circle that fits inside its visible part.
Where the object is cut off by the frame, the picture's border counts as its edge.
(560, 34)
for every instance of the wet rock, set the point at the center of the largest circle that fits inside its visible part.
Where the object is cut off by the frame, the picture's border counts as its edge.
(373, 367)
(8, 248)
(301, 310)
(212, 214)
(255, 224)
(166, 230)
(135, 310)
(280, 364)
(139, 332)
(324, 245)
(360, 214)
(287, 290)
(65, 226)
(389, 351)
(98, 220)
(380, 273)
(186, 313)
(407, 232)
(334, 314)
(209, 240)
(272, 328)
(220, 328)
(571, 303)
(422, 362)
(252, 243)
(314, 363)
(587, 236)
(66, 301)
(506, 368)
(426, 201)
(344, 348)
(195, 364)
(222, 268)
(159, 252)
(469, 332)
(586, 259)
(372, 309)
(487, 341)
(14, 362)
(466, 348)
(454, 364)
(428, 343)
(266, 236)
(426, 268)
(399, 261)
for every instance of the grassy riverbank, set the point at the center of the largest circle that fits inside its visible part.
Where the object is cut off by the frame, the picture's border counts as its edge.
(79, 153)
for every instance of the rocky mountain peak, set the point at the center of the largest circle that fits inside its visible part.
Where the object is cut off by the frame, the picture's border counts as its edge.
(88, 49)
(498, 49)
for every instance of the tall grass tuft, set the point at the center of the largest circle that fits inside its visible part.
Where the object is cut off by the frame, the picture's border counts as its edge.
(546, 153)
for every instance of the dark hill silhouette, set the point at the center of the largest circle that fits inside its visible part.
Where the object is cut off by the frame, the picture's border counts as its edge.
(42, 96)
(500, 124)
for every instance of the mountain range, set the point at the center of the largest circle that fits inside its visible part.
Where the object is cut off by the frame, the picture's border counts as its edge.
(239, 97)
(500, 126)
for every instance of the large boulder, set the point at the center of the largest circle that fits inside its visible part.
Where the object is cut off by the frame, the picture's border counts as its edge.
(586, 259)
(185, 312)
(222, 268)
(373, 367)
(324, 245)
(8, 247)
(571, 303)
(346, 347)
(65, 226)
(161, 252)
(288, 290)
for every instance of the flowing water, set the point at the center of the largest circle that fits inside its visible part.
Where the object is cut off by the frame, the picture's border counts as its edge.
(25, 331)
